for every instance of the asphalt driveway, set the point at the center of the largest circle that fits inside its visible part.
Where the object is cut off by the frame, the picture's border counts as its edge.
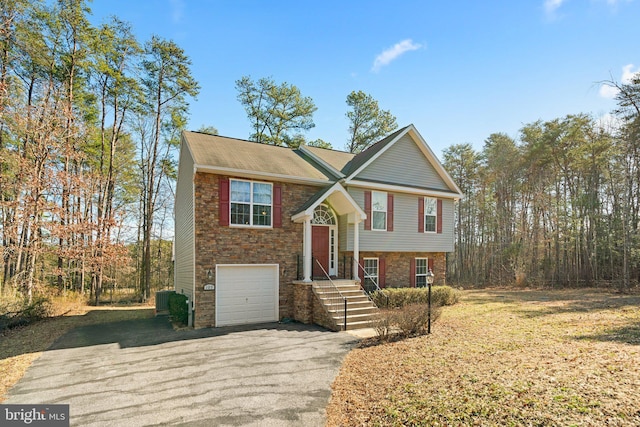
(142, 372)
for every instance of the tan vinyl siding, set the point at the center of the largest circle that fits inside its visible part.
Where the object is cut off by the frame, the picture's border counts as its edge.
(405, 236)
(184, 226)
(404, 164)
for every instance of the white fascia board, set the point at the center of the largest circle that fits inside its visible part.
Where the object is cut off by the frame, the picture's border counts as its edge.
(426, 150)
(331, 169)
(424, 147)
(402, 189)
(337, 187)
(301, 217)
(260, 175)
(185, 143)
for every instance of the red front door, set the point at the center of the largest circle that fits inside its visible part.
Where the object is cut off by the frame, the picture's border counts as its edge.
(320, 250)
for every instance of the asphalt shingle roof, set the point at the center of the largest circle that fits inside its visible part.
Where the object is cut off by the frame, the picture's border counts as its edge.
(336, 159)
(241, 155)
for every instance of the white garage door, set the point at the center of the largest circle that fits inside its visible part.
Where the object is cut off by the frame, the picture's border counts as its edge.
(246, 294)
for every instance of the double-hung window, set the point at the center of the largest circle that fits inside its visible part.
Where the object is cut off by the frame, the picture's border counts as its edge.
(251, 203)
(422, 268)
(371, 274)
(430, 214)
(379, 210)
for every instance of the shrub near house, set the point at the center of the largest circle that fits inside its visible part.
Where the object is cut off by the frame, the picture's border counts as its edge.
(400, 297)
(405, 311)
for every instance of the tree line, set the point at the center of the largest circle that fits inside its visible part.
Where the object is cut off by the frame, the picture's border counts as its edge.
(559, 205)
(89, 120)
(90, 123)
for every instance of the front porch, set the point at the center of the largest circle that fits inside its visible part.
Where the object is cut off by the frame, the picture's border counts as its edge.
(320, 243)
(343, 270)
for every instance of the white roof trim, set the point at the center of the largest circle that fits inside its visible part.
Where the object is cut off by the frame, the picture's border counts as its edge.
(260, 175)
(331, 169)
(424, 147)
(378, 154)
(337, 187)
(402, 189)
(184, 143)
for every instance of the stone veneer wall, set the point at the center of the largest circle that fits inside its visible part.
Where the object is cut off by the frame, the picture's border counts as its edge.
(398, 266)
(234, 245)
(308, 309)
(303, 302)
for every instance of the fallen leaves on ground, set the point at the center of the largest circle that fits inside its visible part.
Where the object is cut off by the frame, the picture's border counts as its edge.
(503, 358)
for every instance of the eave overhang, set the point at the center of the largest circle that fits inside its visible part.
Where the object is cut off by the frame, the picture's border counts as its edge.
(339, 199)
(259, 175)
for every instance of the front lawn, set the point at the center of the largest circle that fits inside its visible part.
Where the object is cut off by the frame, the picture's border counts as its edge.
(540, 358)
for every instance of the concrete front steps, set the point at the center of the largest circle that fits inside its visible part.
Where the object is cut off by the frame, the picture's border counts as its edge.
(361, 312)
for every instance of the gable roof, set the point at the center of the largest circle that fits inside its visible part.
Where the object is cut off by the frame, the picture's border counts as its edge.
(345, 163)
(339, 198)
(350, 165)
(365, 158)
(221, 154)
(334, 160)
(313, 165)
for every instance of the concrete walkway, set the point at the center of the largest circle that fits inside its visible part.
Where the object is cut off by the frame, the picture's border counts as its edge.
(142, 372)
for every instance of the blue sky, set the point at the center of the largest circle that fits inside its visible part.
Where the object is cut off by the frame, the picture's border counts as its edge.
(457, 70)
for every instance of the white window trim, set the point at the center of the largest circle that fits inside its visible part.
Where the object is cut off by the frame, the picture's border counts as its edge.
(251, 205)
(426, 260)
(366, 275)
(386, 211)
(435, 230)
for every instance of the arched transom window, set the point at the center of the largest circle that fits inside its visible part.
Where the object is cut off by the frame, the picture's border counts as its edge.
(323, 215)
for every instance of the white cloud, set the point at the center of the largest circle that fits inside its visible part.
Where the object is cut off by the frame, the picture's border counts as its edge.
(608, 91)
(628, 73)
(609, 123)
(177, 10)
(550, 6)
(393, 53)
(615, 2)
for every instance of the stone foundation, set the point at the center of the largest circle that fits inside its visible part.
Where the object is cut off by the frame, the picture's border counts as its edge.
(306, 307)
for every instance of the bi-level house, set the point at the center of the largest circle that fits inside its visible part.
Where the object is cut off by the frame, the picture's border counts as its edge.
(261, 230)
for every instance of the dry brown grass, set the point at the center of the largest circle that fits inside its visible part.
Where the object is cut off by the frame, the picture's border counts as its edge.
(21, 346)
(519, 358)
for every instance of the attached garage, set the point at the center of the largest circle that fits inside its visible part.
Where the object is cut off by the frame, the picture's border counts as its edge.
(246, 293)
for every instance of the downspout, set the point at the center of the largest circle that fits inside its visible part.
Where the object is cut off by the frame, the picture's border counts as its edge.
(192, 303)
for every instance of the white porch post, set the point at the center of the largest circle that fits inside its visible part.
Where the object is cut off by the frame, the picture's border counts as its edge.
(356, 248)
(307, 249)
